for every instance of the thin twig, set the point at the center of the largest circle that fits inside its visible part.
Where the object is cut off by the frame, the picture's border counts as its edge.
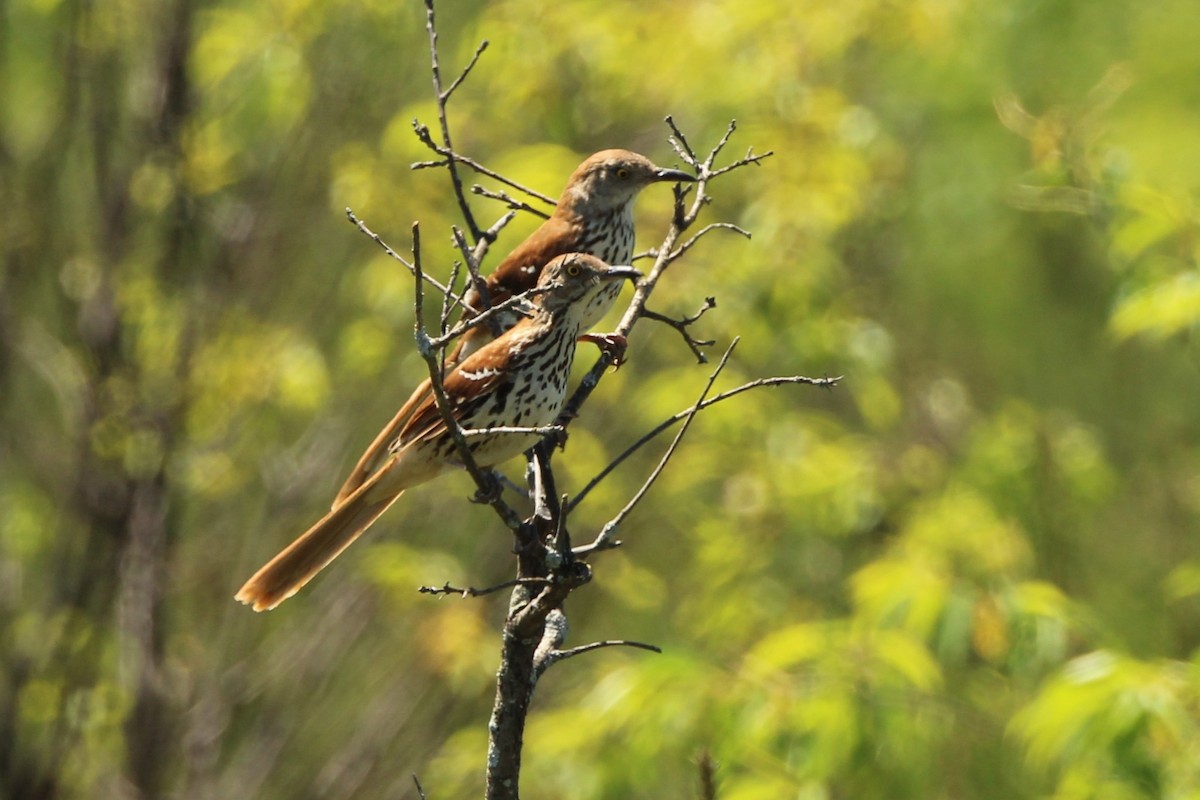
(682, 325)
(712, 226)
(517, 303)
(375, 237)
(540, 430)
(508, 200)
(750, 158)
(469, 258)
(491, 234)
(587, 648)
(783, 380)
(450, 155)
(450, 298)
(442, 97)
(610, 527)
(724, 140)
(470, 591)
(362, 226)
(705, 169)
(420, 791)
(562, 655)
(466, 70)
(450, 301)
(680, 142)
(642, 256)
(488, 488)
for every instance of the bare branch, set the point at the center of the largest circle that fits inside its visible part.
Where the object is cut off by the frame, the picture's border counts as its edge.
(610, 527)
(721, 144)
(552, 657)
(450, 155)
(450, 301)
(377, 239)
(442, 97)
(488, 488)
(587, 648)
(642, 256)
(420, 791)
(362, 227)
(540, 478)
(682, 325)
(470, 591)
(708, 776)
(750, 158)
(554, 633)
(510, 201)
(466, 70)
(491, 234)
(541, 430)
(680, 142)
(530, 619)
(517, 303)
(684, 217)
(712, 226)
(788, 380)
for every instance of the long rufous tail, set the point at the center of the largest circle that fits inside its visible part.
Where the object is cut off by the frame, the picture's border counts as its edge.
(295, 566)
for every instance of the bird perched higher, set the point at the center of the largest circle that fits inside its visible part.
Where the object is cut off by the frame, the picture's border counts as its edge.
(516, 380)
(594, 216)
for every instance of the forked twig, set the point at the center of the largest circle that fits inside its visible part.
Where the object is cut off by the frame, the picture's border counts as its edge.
(442, 96)
(610, 528)
(685, 215)
(375, 237)
(682, 325)
(712, 226)
(782, 380)
(449, 155)
(509, 200)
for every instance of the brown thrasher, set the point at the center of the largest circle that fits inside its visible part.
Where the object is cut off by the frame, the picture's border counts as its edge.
(594, 215)
(517, 380)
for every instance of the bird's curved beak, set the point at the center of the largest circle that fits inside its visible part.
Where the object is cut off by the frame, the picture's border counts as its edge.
(617, 273)
(674, 175)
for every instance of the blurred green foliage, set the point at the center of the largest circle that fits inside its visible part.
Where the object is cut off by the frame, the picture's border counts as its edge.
(970, 571)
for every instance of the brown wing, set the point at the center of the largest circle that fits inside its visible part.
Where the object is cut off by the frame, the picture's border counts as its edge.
(472, 381)
(555, 237)
(478, 376)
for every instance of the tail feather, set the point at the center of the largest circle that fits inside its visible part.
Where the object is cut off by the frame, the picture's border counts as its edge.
(286, 573)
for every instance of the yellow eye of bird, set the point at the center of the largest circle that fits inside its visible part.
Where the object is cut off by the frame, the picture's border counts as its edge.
(622, 172)
(573, 270)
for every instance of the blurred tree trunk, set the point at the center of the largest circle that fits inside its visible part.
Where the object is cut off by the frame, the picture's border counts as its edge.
(118, 500)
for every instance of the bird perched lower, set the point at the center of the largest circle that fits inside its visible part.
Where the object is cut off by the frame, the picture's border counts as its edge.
(517, 380)
(594, 215)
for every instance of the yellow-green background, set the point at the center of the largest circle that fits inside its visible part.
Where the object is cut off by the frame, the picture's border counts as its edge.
(971, 571)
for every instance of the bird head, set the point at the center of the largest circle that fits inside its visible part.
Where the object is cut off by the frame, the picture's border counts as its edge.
(612, 178)
(574, 277)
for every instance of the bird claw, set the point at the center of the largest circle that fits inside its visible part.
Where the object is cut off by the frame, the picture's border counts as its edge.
(613, 344)
(490, 494)
(558, 437)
